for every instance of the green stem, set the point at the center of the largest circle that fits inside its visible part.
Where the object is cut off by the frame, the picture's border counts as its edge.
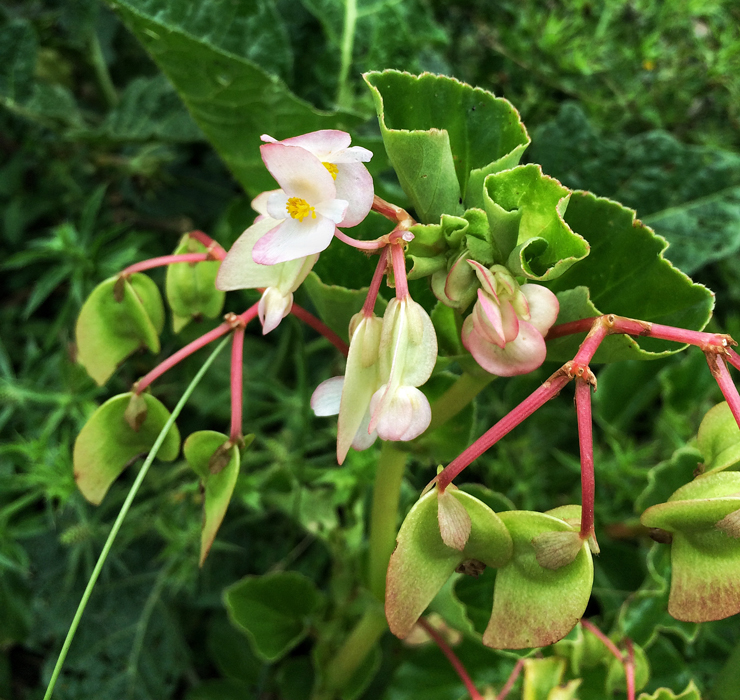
(384, 516)
(122, 515)
(356, 647)
(101, 72)
(344, 91)
(457, 397)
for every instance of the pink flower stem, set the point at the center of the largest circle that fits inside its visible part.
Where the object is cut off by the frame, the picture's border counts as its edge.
(399, 271)
(362, 245)
(608, 643)
(372, 294)
(320, 327)
(629, 670)
(164, 260)
(733, 358)
(518, 666)
(214, 248)
(526, 408)
(232, 322)
(585, 438)
(237, 389)
(451, 657)
(392, 212)
(720, 372)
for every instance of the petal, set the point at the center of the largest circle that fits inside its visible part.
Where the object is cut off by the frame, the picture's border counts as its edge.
(273, 308)
(294, 239)
(326, 397)
(486, 279)
(488, 319)
(355, 185)
(298, 172)
(259, 203)
(460, 285)
(321, 143)
(364, 437)
(334, 210)
(276, 205)
(404, 415)
(543, 306)
(522, 355)
(266, 138)
(510, 321)
(354, 154)
(293, 272)
(238, 270)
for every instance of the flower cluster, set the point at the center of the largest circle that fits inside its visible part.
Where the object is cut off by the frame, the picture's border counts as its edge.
(323, 184)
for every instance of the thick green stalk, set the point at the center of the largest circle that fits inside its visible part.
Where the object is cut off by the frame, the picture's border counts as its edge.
(122, 515)
(384, 515)
(457, 397)
(344, 89)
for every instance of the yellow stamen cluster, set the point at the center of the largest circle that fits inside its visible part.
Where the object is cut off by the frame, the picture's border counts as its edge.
(299, 208)
(333, 169)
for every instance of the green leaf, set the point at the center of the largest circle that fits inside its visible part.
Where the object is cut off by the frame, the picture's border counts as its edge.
(119, 317)
(541, 676)
(336, 305)
(719, 439)
(533, 606)
(443, 137)
(624, 274)
(274, 610)
(422, 562)
(688, 194)
(107, 443)
(191, 288)
(525, 212)
(227, 63)
(201, 450)
(690, 693)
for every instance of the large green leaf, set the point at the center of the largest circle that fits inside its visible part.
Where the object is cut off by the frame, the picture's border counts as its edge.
(120, 316)
(274, 610)
(688, 194)
(227, 61)
(109, 442)
(443, 137)
(624, 274)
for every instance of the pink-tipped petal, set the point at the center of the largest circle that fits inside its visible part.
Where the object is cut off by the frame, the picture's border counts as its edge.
(238, 270)
(327, 396)
(364, 437)
(523, 355)
(321, 143)
(354, 154)
(355, 185)
(485, 277)
(543, 306)
(488, 319)
(298, 172)
(403, 416)
(276, 205)
(510, 321)
(273, 308)
(334, 209)
(266, 138)
(294, 239)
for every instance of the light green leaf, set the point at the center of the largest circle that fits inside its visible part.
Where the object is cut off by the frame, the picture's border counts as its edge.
(624, 274)
(532, 606)
(525, 212)
(191, 288)
(120, 316)
(274, 610)
(443, 137)
(107, 443)
(541, 676)
(719, 439)
(227, 68)
(690, 693)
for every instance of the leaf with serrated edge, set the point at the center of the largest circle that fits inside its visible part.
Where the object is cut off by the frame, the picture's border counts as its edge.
(443, 137)
(624, 274)
(690, 693)
(108, 331)
(107, 444)
(422, 562)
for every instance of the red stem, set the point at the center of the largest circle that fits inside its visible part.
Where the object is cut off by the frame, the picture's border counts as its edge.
(733, 358)
(399, 271)
(320, 327)
(368, 307)
(392, 212)
(585, 438)
(362, 245)
(165, 260)
(190, 348)
(237, 390)
(526, 408)
(590, 344)
(451, 657)
(722, 375)
(214, 248)
(629, 670)
(511, 680)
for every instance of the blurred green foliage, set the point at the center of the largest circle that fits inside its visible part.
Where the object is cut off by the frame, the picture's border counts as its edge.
(101, 165)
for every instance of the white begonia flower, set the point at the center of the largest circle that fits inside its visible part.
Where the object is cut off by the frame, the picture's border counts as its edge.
(505, 332)
(407, 355)
(239, 271)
